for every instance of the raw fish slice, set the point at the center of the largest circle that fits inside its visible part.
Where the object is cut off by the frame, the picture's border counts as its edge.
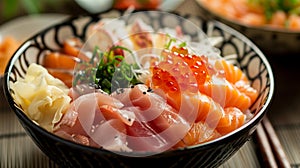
(111, 135)
(232, 120)
(237, 77)
(150, 105)
(72, 47)
(60, 61)
(140, 35)
(209, 111)
(65, 75)
(159, 134)
(200, 132)
(81, 139)
(85, 106)
(245, 88)
(60, 66)
(86, 117)
(109, 112)
(100, 37)
(158, 126)
(232, 73)
(225, 93)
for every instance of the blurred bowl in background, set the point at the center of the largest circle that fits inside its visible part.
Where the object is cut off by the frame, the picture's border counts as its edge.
(96, 6)
(271, 40)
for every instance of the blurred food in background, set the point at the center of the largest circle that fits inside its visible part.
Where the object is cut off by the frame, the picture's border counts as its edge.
(95, 6)
(11, 9)
(271, 13)
(137, 4)
(8, 45)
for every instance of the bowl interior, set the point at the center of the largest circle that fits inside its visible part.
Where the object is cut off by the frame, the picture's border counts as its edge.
(232, 45)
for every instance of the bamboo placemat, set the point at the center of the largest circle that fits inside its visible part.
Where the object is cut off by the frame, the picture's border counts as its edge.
(289, 136)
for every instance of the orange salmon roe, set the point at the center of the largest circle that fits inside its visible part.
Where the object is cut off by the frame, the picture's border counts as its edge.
(179, 71)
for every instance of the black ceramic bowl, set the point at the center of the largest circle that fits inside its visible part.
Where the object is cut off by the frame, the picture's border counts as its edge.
(272, 41)
(233, 46)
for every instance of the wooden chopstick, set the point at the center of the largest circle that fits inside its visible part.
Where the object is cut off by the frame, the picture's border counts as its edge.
(271, 149)
(275, 144)
(265, 147)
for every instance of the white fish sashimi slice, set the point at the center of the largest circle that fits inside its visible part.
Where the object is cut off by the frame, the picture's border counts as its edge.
(140, 26)
(140, 34)
(101, 38)
(115, 29)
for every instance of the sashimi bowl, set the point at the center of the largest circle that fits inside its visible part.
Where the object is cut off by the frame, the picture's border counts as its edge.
(151, 88)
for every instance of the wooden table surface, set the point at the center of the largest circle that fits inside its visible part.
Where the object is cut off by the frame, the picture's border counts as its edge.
(18, 150)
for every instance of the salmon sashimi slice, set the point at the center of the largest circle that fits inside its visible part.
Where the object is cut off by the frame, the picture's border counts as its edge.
(196, 107)
(237, 77)
(209, 111)
(225, 93)
(59, 60)
(64, 75)
(61, 66)
(245, 88)
(233, 74)
(72, 47)
(199, 133)
(232, 120)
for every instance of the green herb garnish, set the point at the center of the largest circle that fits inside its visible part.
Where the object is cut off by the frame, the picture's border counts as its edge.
(172, 39)
(272, 6)
(112, 71)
